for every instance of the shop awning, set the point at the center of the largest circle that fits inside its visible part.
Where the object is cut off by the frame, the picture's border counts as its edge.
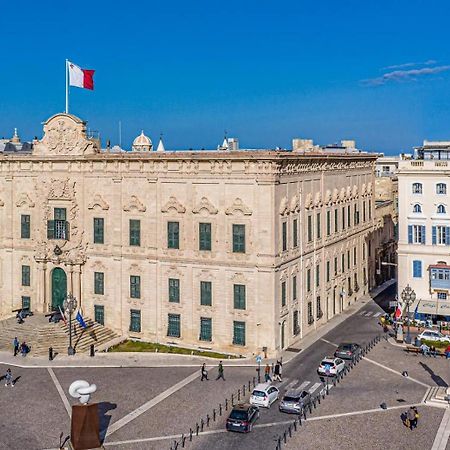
(435, 307)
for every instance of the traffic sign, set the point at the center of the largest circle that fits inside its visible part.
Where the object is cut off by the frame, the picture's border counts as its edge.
(327, 369)
(258, 359)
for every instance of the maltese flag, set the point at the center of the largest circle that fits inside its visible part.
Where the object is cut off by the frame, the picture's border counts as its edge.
(82, 78)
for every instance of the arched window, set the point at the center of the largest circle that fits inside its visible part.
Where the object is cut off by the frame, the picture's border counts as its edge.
(417, 208)
(441, 188)
(441, 209)
(417, 188)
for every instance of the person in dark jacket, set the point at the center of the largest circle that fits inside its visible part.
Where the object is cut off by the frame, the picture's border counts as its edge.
(204, 373)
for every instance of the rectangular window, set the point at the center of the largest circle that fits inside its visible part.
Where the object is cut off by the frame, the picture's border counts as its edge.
(317, 275)
(174, 325)
(336, 220)
(26, 276)
(238, 238)
(442, 296)
(328, 223)
(310, 313)
(99, 314)
(328, 271)
(295, 233)
(417, 269)
(204, 236)
(364, 251)
(173, 235)
(354, 256)
(294, 288)
(308, 280)
(239, 296)
(355, 282)
(356, 215)
(370, 209)
(135, 286)
(283, 293)
(319, 313)
(416, 234)
(343, 263)
(205, 329)
(99, 283)
(58, 228)
(135, 320)
(238, 333)
(284, 235)
(296, 324)
(26, 302)
(335, 265)
(364, 210)
(349, 218)
(206, 293)
(343, 218)
(135, 232)
(25, 226)
(440, 235)
(99, 230)
(310, 231)
(174, 290)
(318, 226)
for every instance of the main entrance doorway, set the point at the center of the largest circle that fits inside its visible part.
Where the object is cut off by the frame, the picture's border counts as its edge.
(59, 288)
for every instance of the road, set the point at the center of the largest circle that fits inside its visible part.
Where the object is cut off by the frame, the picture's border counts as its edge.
(361, 327)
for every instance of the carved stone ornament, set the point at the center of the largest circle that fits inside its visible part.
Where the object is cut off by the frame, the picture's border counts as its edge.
(348, 192)
(335, 195)
(284, 206)
(24, 199)
(134, 203)
(308, 200)
(61, 189)
(342, 195)
(369, 187)
(174, 204)
(206, 205)
(363, 189)
(65, 134)
(318, 199)
(328, 197)
(355, 191)
(99, 201)
(295, 204)
(238, 206)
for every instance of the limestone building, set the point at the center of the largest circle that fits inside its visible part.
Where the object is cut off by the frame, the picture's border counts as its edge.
(234, 250)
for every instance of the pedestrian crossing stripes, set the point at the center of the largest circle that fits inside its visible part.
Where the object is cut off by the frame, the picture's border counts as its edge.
(377, 314)
(314, 388)
(367, 313)
(305, 386)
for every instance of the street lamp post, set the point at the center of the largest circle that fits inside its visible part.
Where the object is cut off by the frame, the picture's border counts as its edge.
(70, 304)
(408, 296)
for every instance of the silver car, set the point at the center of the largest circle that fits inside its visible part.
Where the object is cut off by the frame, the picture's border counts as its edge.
(294, 400)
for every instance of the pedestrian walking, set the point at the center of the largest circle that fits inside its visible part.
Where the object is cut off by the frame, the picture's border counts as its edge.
(24, 349)
(16, 344)
(276, 372)
(220, 368)
(9, 378)
(280, 362)
(204, 373)
(267, 373)
(416, 419)
(411, 417)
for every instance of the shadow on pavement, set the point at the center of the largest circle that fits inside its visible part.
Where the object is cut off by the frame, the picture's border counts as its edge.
(436, 378)
(104, 418)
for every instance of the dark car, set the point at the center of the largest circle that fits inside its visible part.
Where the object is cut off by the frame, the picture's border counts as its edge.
(242, 418)
(294, 401)
(347, 351)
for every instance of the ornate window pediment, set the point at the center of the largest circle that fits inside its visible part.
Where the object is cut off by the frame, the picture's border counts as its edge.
(318, 199)
(134, 203)
(308, 201)
(173, 203)
(295, 204)
(99, 201)
(24, 199)
(205, 204)
(238, 206)
(284, 206)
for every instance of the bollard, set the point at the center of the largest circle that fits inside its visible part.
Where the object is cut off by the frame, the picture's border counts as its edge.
(207, 420)
(50, 353)
(334, 382)
(304, 413)
(254, 384)
(318, 399)
(279, 442)
(295, 425)
(92, 351)
(197, 428)
(239, 395)
(190, 434)
(337, 379)
(214, 415)
(232, 399)
(284, 437)
(175, 445)
(300, 420)
(202, 424)
(226, 404)
(310, 408)
(243, 390)
(290, 431)
(249, 386)
(183, 439)
(220, 409)
(314, 403)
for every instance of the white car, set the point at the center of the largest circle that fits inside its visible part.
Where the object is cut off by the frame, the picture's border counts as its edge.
(430, 335)
(264, 394)
(331, 367)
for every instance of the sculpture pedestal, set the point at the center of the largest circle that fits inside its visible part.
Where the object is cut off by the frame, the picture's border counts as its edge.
(399, 336)
(85, 427)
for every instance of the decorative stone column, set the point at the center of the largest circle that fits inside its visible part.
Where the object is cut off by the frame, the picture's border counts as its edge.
(41, 301)
(76, 282)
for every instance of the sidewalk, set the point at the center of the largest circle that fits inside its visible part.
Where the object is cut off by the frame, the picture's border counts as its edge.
(141, 359)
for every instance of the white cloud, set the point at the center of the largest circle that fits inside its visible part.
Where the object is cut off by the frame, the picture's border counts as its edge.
(405, 75)
(430, 62)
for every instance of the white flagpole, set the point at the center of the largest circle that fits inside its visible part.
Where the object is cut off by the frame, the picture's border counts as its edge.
(67, 86)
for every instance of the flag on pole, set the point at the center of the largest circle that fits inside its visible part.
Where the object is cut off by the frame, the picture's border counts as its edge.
(398, 311)
(62, 315)
(82, 78)
(80, 320)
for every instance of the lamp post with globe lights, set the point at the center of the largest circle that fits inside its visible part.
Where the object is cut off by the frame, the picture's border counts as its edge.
(409, 297)
(70, 304)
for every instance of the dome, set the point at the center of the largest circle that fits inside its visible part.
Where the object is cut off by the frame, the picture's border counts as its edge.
(142, 143)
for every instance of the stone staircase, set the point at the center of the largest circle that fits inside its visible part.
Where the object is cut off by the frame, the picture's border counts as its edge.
(37, 332)
(437, 396)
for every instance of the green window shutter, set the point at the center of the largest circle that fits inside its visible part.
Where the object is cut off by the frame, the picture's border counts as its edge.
(308, 280)
(26, 302)
(204, 238)
(336, 220)
(205, 329)
(206, 293)
(294, 288)
(238, 333)
(135, 232)
(283, 293)
(99, 228)
(239, 296)
(173, 235)
(174, 290)
(310, 236)
(66, 230)
(328, 223)
(295, 233)
(296, 325)
(135, 320)
(318, 226)
(317, 275)
(135, 286)
(174, 325)
(284, 235)
(99, 314)
(238, 238)
(328, 271)
(25, 226)
(99, 280)
(50, 229)
(26, 276)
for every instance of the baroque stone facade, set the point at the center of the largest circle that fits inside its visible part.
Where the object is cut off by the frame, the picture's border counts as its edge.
(231, 250)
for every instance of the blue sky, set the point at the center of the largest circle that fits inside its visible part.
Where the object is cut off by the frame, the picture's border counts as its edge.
(265, 71)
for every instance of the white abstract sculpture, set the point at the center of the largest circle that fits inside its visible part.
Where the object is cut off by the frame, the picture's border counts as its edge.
(82, 389)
